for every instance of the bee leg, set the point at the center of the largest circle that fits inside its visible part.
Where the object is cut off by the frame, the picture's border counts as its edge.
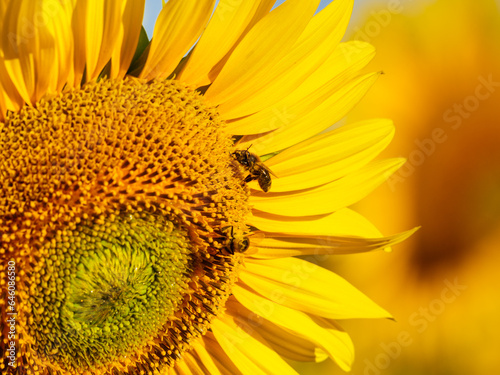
(250, 177)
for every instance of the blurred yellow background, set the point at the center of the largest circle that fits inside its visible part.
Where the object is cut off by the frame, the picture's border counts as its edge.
(441, 87)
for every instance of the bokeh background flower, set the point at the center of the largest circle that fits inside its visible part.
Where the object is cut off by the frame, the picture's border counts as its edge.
(442, 89)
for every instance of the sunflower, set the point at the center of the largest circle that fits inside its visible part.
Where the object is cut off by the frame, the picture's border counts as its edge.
(442, 86)
(143, 230)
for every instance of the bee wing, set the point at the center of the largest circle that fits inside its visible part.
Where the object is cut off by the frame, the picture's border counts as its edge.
(267, 169)
(251, 250)
(256, 237)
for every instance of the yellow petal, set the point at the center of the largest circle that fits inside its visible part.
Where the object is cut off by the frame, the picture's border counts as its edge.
(127, 37)
(52, 48)
(342, 65)
(264, 45)
(330, 156)
(343, 222)
(64, 44)
(285, 343)
(289, 345)
(212, 347)
(9, 96)
(264, 8)
(206, 359)
(322, 109)
(103, 25)
(227, 24)
(182, 368)
(79, 37)
(280, 245)
(332, 340)
(248, 351)
(111, 12)
(304, 286)
(177, 28)
(17, 47)
(316, 43)
(35, 49)
(191, 364)
(3, 105)
(329, 197)
(95, 26)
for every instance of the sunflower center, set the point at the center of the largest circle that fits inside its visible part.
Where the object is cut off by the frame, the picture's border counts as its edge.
(115, 201)
(121, 280)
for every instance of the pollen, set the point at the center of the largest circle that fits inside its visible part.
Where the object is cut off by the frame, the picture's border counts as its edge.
(113, 200)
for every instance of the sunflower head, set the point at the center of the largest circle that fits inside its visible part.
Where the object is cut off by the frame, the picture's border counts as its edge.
(114, 197)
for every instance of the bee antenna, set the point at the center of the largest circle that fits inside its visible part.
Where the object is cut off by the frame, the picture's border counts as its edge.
(249, 146)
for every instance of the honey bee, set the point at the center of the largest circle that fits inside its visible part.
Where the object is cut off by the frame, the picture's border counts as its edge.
(234, 243)
(256, 168)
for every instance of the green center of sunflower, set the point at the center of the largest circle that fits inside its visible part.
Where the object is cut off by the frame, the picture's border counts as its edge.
(121, 282)
(115, 202)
